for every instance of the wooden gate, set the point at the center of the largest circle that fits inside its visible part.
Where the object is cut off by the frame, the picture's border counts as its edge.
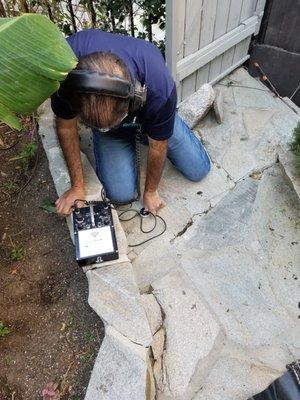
(207, 39)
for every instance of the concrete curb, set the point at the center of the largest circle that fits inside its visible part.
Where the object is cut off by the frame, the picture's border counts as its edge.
(123, 368)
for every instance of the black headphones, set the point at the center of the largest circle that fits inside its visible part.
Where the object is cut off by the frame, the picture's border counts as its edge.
(108, 85)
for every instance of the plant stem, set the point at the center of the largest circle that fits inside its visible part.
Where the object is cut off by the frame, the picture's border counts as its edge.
(24, 6)
(149, 28)
(2, 10)
(93, 13)
(131, 18)
(49, 10)
(71, 11)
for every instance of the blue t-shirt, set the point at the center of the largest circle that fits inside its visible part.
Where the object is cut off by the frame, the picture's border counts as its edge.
(146, 64)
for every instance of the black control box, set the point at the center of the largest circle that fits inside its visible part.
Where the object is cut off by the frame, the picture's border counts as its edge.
(94, 234)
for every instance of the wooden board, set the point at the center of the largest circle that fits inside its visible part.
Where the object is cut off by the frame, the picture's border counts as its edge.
(211, 37)
(197, 60)
(193, 18)
(222, 16)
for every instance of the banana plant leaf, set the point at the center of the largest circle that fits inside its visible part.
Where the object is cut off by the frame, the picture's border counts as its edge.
(34, 59)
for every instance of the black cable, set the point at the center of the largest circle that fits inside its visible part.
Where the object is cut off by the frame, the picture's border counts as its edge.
(113, 204)
(141, 225)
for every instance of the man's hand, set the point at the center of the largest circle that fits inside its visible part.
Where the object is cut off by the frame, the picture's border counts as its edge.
(65, 203)
(153, 202)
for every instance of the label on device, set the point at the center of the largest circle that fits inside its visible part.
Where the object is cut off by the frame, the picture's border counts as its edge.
(95, 241)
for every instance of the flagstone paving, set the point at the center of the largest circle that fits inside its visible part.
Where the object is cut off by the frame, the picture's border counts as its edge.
(223, 281)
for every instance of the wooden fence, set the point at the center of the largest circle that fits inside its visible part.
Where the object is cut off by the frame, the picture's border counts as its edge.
(207, 39)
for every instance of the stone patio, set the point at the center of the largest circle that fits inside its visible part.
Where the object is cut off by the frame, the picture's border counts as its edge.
(210, 309)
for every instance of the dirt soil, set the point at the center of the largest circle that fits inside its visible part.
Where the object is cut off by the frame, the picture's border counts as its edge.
(54, 334)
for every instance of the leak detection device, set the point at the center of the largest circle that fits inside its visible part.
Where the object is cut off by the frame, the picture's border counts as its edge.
(94, 234)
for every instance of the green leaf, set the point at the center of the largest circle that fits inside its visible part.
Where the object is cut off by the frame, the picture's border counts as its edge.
(48, 205)
(4, 331)
(34, 59)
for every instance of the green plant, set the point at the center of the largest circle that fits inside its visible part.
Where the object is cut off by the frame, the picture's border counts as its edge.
(48, 205)
(89, 335)
(27, 154)
(36, 58)
(10, 187)
(4, 331)
(295, 147)
(17, 253)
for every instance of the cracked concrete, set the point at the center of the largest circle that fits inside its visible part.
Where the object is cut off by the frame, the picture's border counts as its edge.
(215, 231)
(215, 311)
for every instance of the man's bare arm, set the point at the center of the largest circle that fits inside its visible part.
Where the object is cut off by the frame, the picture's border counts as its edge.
(69, 141)
(155, 164)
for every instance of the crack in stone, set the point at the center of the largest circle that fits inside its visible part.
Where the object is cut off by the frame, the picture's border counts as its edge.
(219, 166)
(210, 208)
(187, 226)
(191, 222)
(164, 372)
(262, 170)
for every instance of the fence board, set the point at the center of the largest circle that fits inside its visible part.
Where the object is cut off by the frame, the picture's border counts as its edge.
(241, 49)
(223, 8)
(259, 11)
(206, 36)
(212, 37)
(179, 27)
(191, 63)
(233, 21)
(193, 17)
(248, 9)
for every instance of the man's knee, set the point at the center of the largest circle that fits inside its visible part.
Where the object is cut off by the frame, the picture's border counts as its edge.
(121, 195)
(197, 174)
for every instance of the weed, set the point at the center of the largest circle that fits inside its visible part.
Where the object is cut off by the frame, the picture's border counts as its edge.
(72, 323)
(10, 187)
(89, 335)
(27, 154)
(295, 147)
(4, 331)
(17, 253)
(48, 205)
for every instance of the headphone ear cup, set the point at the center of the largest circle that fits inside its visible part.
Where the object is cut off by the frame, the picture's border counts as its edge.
(139, 98)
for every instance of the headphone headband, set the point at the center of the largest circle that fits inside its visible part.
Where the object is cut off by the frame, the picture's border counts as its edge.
(82, 81)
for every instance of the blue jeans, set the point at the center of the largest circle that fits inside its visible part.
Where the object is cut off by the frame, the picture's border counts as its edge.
(116, 166)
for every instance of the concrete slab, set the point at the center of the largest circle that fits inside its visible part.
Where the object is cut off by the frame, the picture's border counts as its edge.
(239, 149)
(47, 126)
(286, 159)
(114, 296)
(245, 96)
(234, 379)
(156, 261)
(193, 109)
(191, 329)
(218, 106)
(153, 312)
(225, 274)
(184, 200)
(86, 144)
(277, 231)
(228, 223)
(247, 267)
(120, 370)
(284, 124)
(256, 125)
(234, 282)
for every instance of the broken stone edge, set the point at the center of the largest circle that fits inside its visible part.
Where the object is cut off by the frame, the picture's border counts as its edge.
(140, 383)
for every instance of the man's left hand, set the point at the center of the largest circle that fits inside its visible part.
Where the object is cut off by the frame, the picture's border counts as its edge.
(153, 202)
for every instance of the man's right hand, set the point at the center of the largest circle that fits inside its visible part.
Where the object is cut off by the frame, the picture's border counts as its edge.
(65, 203)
